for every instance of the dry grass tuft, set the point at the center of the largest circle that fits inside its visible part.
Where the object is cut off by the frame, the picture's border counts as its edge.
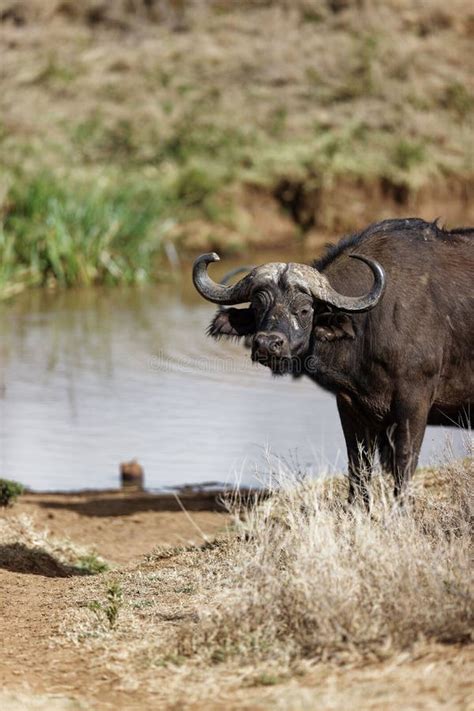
(309, 580)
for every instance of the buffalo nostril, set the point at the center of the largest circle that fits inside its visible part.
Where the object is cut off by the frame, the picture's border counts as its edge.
(275, 345)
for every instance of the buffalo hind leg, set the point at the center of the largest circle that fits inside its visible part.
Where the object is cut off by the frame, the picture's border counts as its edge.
(405, 438)
(360, 443)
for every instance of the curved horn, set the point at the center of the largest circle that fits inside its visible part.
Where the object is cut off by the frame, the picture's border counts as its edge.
(354, 304)
(219, 293)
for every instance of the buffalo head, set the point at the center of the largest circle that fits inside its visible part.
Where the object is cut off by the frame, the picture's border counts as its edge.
(283, 299)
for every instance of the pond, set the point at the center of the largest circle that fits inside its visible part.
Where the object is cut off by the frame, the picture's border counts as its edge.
(92, 377)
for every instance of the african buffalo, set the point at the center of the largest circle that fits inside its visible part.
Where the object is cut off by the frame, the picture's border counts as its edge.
(384, 320)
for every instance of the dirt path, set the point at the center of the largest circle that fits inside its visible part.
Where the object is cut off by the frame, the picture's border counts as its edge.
(37, 672)
(119, 527)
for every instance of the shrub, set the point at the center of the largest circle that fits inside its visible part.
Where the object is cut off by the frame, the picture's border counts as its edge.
(9, 491)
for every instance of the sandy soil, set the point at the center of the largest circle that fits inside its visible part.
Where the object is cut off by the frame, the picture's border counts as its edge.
(123, 527)
(37, 672)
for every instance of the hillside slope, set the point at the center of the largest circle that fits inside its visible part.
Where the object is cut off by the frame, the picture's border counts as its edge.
(228, 124)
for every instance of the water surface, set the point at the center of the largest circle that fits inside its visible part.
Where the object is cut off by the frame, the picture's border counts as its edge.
(93, 377)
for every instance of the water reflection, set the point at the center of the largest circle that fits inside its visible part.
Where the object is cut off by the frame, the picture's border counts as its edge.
(93, 377)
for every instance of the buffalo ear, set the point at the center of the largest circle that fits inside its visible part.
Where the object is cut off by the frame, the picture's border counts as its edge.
(233, 323)
(332, 326)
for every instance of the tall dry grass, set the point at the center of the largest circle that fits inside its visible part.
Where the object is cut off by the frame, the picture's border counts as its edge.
(296, 586)
(303, 578)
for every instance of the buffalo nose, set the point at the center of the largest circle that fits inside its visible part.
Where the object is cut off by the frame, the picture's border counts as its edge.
(269, 344)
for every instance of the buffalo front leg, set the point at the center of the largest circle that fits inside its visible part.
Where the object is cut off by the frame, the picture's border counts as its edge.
(405, 437)
(360, 444)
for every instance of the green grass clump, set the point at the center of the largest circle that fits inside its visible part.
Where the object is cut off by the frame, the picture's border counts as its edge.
(9, 491)
(109, 609)
(77, 234)
(92, 564)
(407, 154)
(458, 99)
(104, 223)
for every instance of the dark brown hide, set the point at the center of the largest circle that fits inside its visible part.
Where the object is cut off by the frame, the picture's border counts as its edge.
(411, 362)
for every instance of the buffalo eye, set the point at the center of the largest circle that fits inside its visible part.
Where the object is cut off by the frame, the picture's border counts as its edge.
(303, 310)
(261, 300)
